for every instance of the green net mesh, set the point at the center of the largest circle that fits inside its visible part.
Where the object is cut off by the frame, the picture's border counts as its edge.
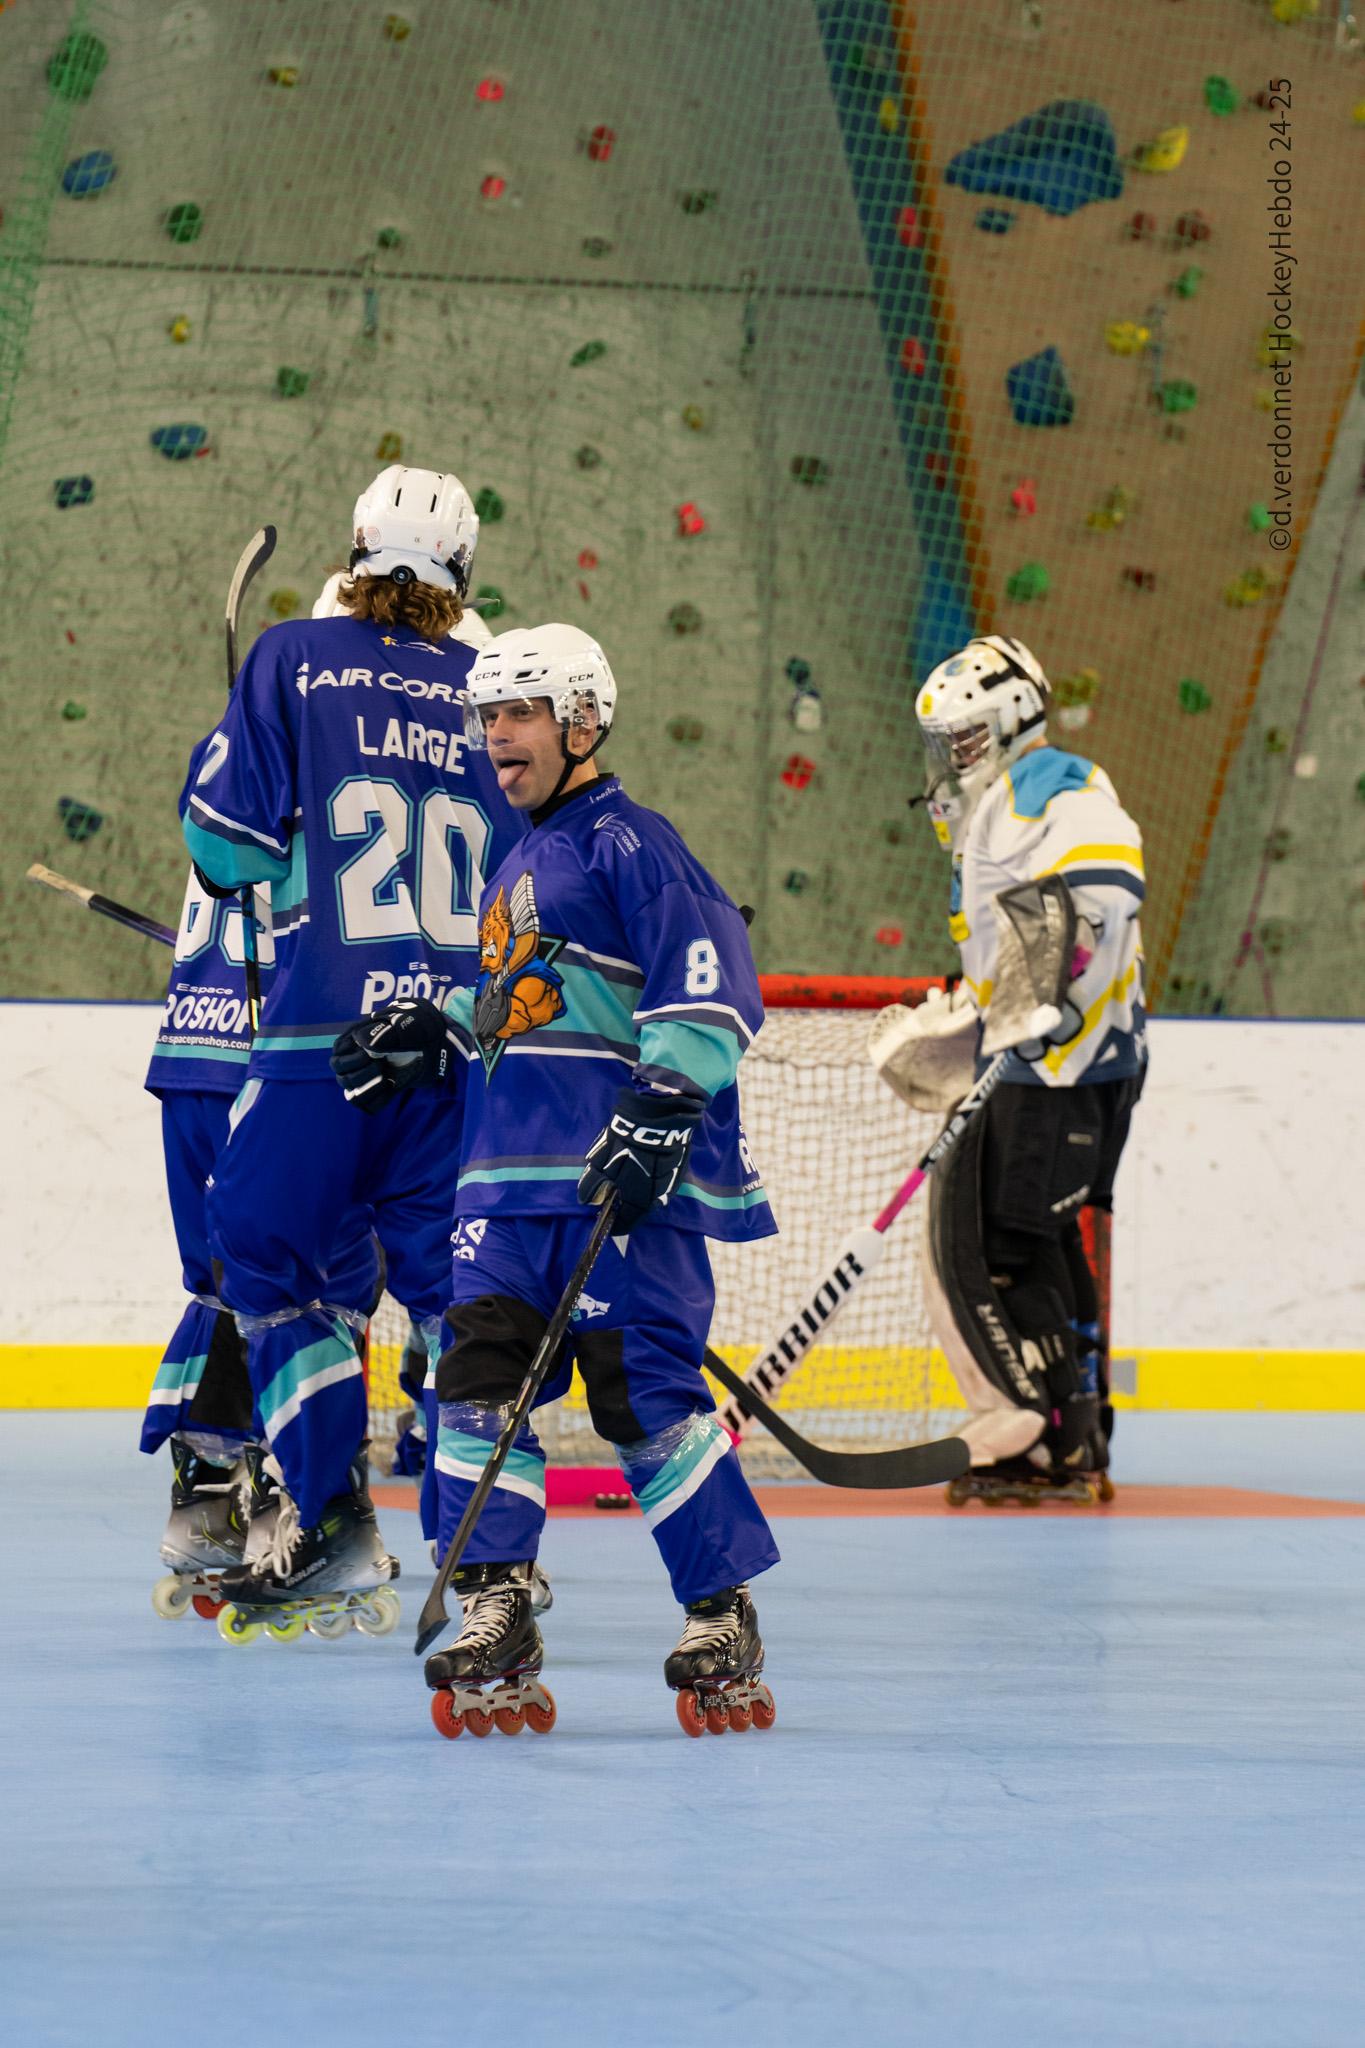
(787, 343)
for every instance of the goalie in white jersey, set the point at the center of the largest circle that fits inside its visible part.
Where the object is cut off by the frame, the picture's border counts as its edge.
(1012, 1296)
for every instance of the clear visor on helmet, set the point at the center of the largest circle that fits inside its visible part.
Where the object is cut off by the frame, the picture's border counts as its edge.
(579, 707)
(953, 750)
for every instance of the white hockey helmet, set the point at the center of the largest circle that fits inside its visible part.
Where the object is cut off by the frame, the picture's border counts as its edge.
(978, 712)
(559, 662)
(416, 525)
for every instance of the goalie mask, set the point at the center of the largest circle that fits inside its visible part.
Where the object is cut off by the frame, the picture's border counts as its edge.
(561, 663)
(417, 526)
(977, 713)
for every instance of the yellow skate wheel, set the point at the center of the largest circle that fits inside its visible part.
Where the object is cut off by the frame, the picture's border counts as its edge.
(331, 1627)
(171, 1597)
(379, 1616)
(236, 1627)
(287, 1631)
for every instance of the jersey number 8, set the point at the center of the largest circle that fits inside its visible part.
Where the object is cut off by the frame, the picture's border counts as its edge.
(703, 969)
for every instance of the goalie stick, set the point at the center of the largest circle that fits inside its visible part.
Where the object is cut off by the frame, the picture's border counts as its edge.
(433, 1617)
(103, 906)
(252, 559)
(931, 1464)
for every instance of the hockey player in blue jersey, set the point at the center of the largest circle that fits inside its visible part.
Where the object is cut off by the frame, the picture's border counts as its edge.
(340, 774)
(615, 998)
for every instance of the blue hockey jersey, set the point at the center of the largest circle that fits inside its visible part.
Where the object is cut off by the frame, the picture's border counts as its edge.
(608, 957)
(339, 775)
(202, 1042)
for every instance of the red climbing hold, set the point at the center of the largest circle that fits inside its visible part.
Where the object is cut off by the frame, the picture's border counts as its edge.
(1141, 227)
(601, 143)
(913, 359)
(493, 186)
(1024, 497)
(909, 233)
(798, 771)
(587, 559)
(690, 522)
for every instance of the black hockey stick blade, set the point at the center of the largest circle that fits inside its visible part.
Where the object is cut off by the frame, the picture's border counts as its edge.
(103, 906)
(253, 558)
(433, 1617)
(930, 1464)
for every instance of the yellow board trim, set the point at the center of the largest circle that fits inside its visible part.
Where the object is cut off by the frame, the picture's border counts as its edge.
(892, 1379)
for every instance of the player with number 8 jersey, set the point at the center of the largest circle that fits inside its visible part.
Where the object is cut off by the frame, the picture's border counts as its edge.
(339, 774)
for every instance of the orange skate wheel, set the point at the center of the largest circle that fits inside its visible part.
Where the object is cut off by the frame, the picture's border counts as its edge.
(741, 1718)
(690, 1716)
(717, 1717)
(509, 1719)
(448, 1722)
(540, 1720)
(206, 1609)
(478, 1721)
(764, 1712)
(1106, 1487)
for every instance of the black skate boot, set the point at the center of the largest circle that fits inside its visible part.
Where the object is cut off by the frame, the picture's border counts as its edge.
(1018, 1482)
(205, 1535)
(715, 1668)
(325, 1579)
(490, 1676)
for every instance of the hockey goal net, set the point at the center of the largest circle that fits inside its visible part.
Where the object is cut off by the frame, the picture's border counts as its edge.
(833, 1144)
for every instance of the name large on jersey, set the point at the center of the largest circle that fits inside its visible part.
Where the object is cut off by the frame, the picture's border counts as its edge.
(339, 775)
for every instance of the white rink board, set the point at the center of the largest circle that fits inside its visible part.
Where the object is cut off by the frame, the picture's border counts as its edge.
(1235, 1209)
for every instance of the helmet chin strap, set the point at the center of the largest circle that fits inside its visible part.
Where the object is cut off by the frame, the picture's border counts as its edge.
(571, 761)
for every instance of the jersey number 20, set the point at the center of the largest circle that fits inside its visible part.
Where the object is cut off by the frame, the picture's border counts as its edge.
(374, 900)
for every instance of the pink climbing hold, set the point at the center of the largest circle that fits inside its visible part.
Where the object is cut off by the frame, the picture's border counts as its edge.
(690, 522)
(909, 233)
(1024, 497)
(913, 359)
(489, 90)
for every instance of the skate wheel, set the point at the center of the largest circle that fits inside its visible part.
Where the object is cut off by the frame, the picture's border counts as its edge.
(717, 1718)
(379, 1616)
(236, 1627)
(957, 1493)
(287, 1631)
(170, 1598)
(478, 1721)
(448, 1722)
(540, 1720)
(763, 1709)
(1106, 1487)
(331, 1627)
(741, 1718)
(205, 1608)
(510, 1720)
(691, 1719)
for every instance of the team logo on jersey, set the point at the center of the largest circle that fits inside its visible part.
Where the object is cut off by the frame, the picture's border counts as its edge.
(519, 988)
(588, 1307)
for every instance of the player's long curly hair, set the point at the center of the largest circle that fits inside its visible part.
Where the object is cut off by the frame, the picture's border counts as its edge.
(418, 607)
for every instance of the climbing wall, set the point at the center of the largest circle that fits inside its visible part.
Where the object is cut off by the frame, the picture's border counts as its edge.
(782, 346)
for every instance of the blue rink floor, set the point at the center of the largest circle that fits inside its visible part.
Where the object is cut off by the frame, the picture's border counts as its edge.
(1034, 1780)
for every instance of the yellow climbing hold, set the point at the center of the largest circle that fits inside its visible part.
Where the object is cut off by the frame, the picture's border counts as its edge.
(180, 329)
(1275, 344)
(1163, 152)
(888, 116)
(1358, 113)
(1126, 338)
(1248, 588)
(1289, 11)
(1111, 511)
(1265, 398)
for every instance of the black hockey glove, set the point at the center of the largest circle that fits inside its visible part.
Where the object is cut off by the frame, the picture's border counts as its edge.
(408, 1045)
(640, 1154)
(221, 892)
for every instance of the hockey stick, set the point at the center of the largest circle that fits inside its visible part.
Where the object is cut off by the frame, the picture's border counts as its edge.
(104, 906)
(433, 1617)
(253, 558)
(929, 1464)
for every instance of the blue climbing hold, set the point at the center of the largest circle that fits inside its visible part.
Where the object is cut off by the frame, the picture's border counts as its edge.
(73, 490)
(86, 175)
(1039, 393)
(995, 220)
(1060, 158)
(179, 443)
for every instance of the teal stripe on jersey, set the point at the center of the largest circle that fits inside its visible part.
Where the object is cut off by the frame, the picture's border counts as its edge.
(176, 1049)
(704, 1054)
(231, 867)
(285, 1044)
(180, 1374)
(539, 1173)
(685, 1472)
(752, 1200)
(594, 1006)
(335, 1350)
(287, 895)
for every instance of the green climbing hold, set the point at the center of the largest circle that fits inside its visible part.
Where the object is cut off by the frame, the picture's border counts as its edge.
(1258, 518)
(1188, 282)
(797, 881)
(685, 618)
(1083, 687)
(71, 711)
(1193, 695)
(596, 246)
(185, 223)
(587, 457)
(1360, 787)
(686, 731)
(489, 601)
(291, 383)
(489, 507)
(1029, 582)
(283, 603)
(390, 238)
(698, 202)
(589, 353)
(81, 821)
(1177, 396)
(74, 67)
(1276, 742)
(810, 470)
(1220, 95)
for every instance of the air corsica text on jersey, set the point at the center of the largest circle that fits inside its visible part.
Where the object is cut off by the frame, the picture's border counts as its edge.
(366, 679)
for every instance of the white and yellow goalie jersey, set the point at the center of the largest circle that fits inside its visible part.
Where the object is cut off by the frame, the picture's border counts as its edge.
(1056, 814)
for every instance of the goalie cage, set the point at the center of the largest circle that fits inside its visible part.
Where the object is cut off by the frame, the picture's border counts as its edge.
(832, 1145)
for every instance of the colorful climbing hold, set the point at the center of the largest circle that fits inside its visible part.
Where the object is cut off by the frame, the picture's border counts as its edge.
(1139, 579)
(797, 880)
(1061, 157)
(693, 418)
(185, 222)
(1258, 518)
(1358, 113)
(1306, 767)
(397, 28)
(1248, 588)
(1039, 393)
(995, 220)
(686, 731)
(1275, 344)
(888, 116)
(1275, 741)
(601, 143)
(180, 442)
(179, 329)
(698, 202)
(389, 448)
(74, 67)
(286, 76)
(1190, 228)
(291, 383)
(798, 672)
(806, 711)
(798, 771)
(489, 91)
(1187, 284)
(913, 359)
(72, 712)
(810, 470)
(596, 246)
(283, 603)
(587, 559)
(73, 490)
(82, 821)
(1192, 695)
(888, 934)
(493, 186)
(1165, 152)
(1126, 338)
(1360, 779)
(685, 618)
(1112, 510)
(1289, 11)
(1140, 227)
(1081, 688)
(589, 353)
(489, 601)
(1277, 843)
(1220, 95)
(587, 457)
(85, 177)
(390, 238)
(909, 233)
(489, 506)
(1176, 395)
(690, 521)
(1024, 498)
(1028, 583)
